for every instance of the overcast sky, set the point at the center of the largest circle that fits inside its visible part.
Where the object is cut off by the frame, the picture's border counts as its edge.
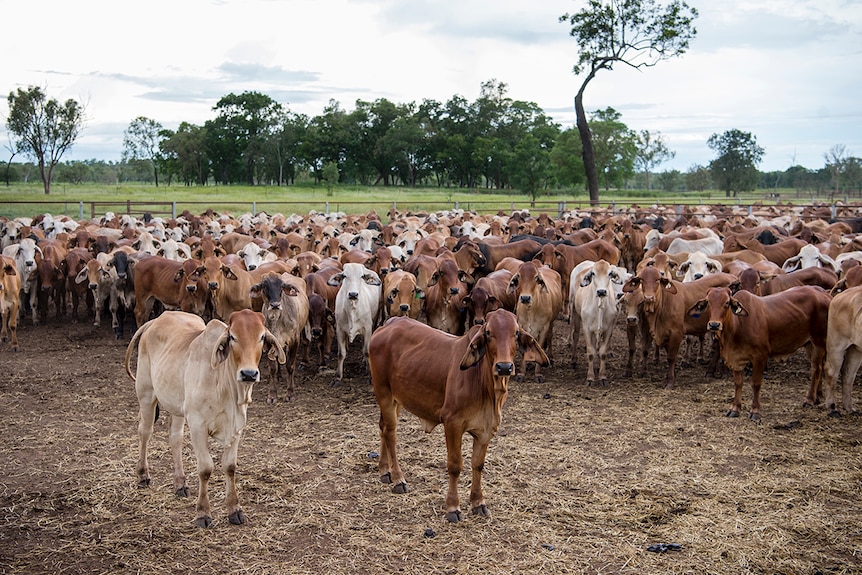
(788, 71)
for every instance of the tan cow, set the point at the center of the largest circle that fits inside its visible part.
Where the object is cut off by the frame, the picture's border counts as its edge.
(203, 374)
(10, 285)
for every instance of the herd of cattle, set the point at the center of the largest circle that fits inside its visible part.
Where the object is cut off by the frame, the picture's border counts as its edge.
(445, 304)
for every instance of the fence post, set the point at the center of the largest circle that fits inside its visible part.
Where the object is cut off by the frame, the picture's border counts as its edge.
(834, 210)
(80, 210)
(174, 210)
(326, 209)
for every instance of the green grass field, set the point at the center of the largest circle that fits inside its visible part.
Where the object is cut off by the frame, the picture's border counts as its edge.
(88, 200)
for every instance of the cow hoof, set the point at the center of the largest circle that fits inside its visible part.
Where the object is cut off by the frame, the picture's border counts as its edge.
(540, 379)
(453, 516)
(732, 413)
(386, 478)
(400, 488)
(603, 382)
(271, 399)
(182, 491)
(481, 511)
(143, 483)
(590, 383)
(204, 522)
(237, 517)
(755, 417)
(834, 413)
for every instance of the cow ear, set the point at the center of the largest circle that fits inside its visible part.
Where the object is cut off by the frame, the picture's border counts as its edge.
(632, 284)
(465, 277)
(255, 291)
(179, 275)
(335, 280)
(221, 350)
(734, 286)
(81, 277)
(668, 285)
(587, 279)
(513, 283)
(371, 279)
(532, 350)
(275, 350)
(10, 269)
(228, 273)
(475, 350)
(737, 308)
(289, 290)
(684, 267)
(433, 280)
(698, 308)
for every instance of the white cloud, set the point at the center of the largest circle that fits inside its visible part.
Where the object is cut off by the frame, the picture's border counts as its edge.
(785, 70)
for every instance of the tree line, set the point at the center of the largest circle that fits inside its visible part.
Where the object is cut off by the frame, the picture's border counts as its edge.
(493, 142)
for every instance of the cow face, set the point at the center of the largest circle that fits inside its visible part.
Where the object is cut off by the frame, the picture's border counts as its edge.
(719, 302)
(497, 342)
(243, 342)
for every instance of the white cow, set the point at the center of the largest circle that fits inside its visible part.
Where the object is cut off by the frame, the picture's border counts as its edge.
(253, 256)
(711, 246)
(596, 288)
(25, 254)
(173, 250)
(203, 374)
(698, 265)
(356, 306)
(810, 257)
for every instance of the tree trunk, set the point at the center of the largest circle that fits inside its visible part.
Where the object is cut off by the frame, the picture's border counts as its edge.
(587, 145)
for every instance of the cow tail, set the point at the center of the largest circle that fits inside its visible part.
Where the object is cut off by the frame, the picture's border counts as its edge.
(132, 345)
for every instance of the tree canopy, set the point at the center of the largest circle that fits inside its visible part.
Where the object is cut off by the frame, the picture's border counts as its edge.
(735, 168)
(43, 127)
(637, 33)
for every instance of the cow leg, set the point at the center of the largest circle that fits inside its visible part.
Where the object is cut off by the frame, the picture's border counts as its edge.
(604, 345)
(454, 461)
(389, 468)
(672, 353)
(274, 372)
(575, 319)
(145, 431)
(292, 354)
(114, 305)
(757, 369)
(736, 406)
(632, 329)
(229, 459)
(342, 355)
(477, 462)
(175, 438)
(203, 516)
(852, 360)
(816, 356)
(590, 339)
(839, 362)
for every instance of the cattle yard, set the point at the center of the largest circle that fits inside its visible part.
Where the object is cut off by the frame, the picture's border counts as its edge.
(578, 479)
(625, 478)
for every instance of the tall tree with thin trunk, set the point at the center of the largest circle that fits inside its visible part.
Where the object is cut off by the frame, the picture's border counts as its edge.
(141, 142)
(44, 128)
(638, 33)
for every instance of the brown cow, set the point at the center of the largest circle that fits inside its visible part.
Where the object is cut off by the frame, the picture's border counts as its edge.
(751, 329)
(843, 348)
(461, 382)
(76, 261)
(51, 273)
(174, 284)
(444, 295)
(540, 302)
(10, 286)
(401, 296)
(285, 309)
(666, 302)
(489, 293)
(203, 373)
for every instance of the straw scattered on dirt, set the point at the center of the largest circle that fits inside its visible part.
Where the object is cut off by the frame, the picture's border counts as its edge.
(578, 480)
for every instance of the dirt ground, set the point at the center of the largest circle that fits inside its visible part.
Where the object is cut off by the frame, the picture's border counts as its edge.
(578, 480)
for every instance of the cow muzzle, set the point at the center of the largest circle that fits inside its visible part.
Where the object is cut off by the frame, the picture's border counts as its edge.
(213, 286)
(504, 368)
(714, 326)
(601, 293)
(353, 295)
(249, 375)
(526, 300)
(632, 320)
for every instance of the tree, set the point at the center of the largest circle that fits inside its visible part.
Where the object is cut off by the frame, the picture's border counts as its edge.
(566, 159)
(638, 33)
(186, 151)
(836, 163)
(651, 152)
(141, 143)
(614, 148)
(44, 128)
(697, 178)
(735, 168)
(530, 166)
